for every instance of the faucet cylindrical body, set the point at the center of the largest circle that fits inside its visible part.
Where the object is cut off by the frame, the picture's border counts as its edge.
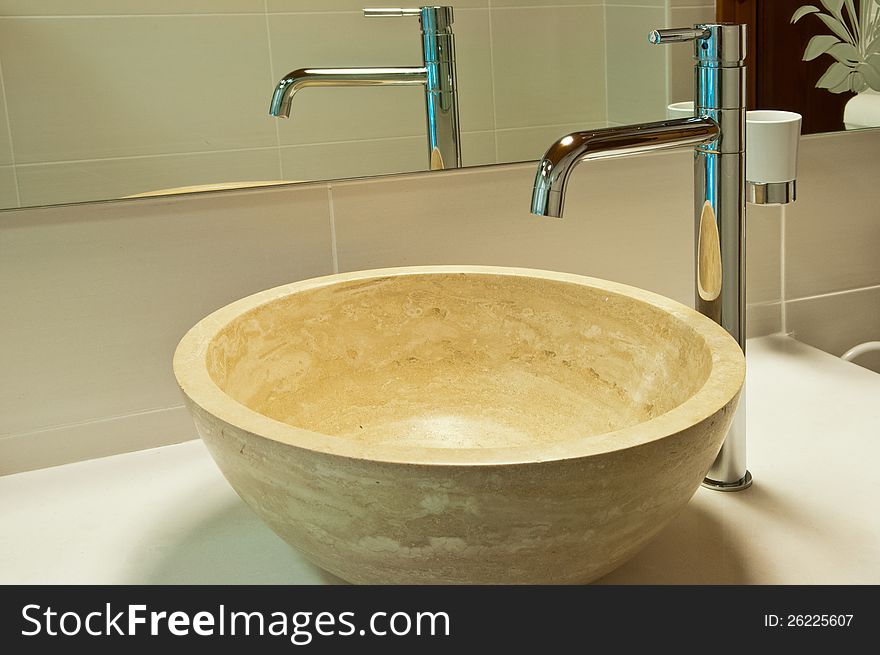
(719, 167)
(717, 132)
(719, 209)
(441, 88)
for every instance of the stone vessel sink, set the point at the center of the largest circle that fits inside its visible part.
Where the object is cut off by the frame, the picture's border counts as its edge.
(461, 424)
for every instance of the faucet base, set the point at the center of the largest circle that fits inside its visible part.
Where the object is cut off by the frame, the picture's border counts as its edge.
(743, 483)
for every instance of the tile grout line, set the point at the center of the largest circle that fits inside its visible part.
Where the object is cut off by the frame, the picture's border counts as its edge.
(539, 127)
(9, 136)
(271, 82)
(194, 153)
(190, 153)
(481, 169)
(232, 14)
(334, 256)
(605, 53)
(492, 78)
(103, 419)
(667, 55)
(782, 290)
(842, 292)
(595, 3)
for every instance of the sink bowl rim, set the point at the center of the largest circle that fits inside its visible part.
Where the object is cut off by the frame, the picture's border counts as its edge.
(722, 386)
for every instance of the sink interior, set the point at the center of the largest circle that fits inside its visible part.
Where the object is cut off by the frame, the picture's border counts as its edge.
(458, 360)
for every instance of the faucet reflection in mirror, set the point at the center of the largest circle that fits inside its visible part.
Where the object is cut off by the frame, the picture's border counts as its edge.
(437, 75)
(717, 133)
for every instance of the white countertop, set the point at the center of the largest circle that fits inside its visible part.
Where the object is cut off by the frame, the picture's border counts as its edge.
(167, 515)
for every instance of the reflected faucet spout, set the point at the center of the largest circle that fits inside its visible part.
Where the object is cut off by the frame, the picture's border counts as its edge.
(436, 75)
(560, 159)
(282, 98)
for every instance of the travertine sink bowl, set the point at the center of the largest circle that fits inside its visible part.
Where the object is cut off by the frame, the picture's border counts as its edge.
(461, 424)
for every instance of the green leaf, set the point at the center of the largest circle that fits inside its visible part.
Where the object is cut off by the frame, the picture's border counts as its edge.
(844, 52)
(835, 7)
(871, 74)
(835, 26)
(857, 82)
(873, 46)
(834, 76)
(844, 86)
(806, 9)
(851, 8)
(819, 45)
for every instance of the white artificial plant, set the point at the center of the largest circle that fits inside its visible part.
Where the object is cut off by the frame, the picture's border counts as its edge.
(854, 43)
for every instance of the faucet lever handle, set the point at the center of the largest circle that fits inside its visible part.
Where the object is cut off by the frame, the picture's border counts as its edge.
(678, 34)
(390, 12)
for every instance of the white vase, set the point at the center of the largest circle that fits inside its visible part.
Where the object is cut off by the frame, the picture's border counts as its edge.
(863, 110)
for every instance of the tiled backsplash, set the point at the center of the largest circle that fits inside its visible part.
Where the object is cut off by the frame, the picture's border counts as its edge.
(127, 118)
(832, 245)
(98, 295)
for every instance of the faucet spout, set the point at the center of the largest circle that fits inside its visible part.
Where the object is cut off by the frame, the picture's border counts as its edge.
(548, 195)
(282, 98)
(717, 134)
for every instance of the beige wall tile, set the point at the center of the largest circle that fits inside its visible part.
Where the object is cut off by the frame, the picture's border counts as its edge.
(835, 323)
(353, 5)
(563, 80)
(680, 56)
(639, 3)
(74, 443)
(331, 115)
(8, 193)
(686, 3)
(763, 252)
(126, 7)
(46, 184)
(478, 148)
(483, 217)
(333, 161)
(530, 143)
(833, 230)
(5, 144)
(763, 319)
(103, 292)
(476, 82)
(541, 3)
(636, 69)
(177, 85)
(354, 158)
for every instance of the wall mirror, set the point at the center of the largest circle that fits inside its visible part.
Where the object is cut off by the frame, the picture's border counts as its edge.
(114, 98)
(117, 98)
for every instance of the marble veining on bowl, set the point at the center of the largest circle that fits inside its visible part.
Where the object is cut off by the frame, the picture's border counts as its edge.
(461, 424)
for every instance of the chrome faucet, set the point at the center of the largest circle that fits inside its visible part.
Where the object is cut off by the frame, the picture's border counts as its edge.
(717, 133)
(437, 75)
